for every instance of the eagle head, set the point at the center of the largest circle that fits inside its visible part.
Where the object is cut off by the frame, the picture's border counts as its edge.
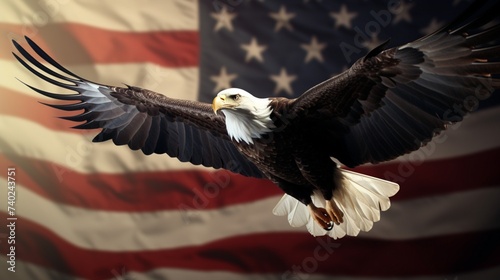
(247, 117)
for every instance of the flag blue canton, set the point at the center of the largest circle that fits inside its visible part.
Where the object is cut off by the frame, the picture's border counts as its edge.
(282, 48)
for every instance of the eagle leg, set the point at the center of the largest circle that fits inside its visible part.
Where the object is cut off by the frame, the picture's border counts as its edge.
(321, 216)
(335, 213)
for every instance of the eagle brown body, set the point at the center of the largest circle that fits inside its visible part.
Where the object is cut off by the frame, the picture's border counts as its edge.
(298, 165)
(389, 103)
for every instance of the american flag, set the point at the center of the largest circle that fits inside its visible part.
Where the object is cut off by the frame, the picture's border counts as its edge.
(97, 211)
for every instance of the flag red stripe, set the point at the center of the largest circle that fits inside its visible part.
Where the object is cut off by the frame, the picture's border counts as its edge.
(151, 191)
(73, 43)
(270, 253)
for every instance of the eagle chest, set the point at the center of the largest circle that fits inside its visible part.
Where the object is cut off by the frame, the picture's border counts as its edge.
(274, 154)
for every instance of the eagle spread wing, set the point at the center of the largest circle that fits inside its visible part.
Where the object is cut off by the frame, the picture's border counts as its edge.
(142, 119)
(394, 101)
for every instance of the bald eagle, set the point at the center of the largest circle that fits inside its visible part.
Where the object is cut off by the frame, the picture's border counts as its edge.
(390, 102)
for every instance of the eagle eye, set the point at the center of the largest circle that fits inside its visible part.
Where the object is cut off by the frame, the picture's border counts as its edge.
(236, 97)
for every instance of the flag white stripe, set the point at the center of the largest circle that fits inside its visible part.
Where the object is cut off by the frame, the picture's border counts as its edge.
(180, 82)
(468, 211)
(454, 213)
(27, 270)
(77, 152)
(127, 15)
(477, 132)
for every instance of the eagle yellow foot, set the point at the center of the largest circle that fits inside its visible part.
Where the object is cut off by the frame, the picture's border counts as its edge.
(321, 216)
(326, 217)
(335, 213)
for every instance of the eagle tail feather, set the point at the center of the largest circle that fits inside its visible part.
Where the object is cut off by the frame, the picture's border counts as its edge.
(360, 197)
(296, 212)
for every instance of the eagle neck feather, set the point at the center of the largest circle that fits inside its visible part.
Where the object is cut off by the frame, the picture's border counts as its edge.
(249, 122)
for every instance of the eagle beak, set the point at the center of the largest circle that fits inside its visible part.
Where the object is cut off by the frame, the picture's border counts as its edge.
(218, 103)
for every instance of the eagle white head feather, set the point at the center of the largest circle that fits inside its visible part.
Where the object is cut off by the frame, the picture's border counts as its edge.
(247, 117)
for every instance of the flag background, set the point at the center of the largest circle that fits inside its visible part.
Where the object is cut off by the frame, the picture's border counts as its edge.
(97, 211)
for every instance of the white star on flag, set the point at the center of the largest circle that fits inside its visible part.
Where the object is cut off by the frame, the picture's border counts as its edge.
(254, 50)
(224, 19)
(343, 17)
(223, 80)
(402, 12)
(313, 50)
(283, 82)
(282, 19)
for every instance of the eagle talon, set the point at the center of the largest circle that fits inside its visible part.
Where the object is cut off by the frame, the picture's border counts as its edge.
(334, 212)
(329, 226)
(321, 217)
